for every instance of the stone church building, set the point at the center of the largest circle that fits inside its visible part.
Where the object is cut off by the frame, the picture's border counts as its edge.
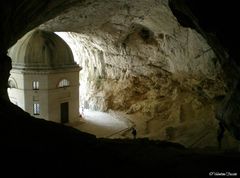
(44, 78)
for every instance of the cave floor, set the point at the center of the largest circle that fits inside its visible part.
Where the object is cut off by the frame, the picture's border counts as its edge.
(101, 124)
(115, 125)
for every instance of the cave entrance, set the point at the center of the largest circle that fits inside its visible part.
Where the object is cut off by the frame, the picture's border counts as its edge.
(95, 112)
(92, 105)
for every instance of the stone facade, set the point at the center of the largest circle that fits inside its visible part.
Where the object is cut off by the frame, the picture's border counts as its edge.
(52, 92)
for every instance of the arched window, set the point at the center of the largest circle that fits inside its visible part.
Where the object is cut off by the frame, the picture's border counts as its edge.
(35, 85)
(12, 83)
(63, 83)
(36, 109)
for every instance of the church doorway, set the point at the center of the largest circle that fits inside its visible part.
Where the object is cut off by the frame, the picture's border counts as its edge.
(64, 113)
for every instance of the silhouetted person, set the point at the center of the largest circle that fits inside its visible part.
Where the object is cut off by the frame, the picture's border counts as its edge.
(82, 111)
(220, 134)
(134, 132)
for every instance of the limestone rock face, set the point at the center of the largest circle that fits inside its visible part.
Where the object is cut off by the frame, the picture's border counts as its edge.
(138, 59)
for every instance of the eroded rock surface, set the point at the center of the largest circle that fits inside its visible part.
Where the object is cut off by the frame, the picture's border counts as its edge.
(138, 59)
(31, 143)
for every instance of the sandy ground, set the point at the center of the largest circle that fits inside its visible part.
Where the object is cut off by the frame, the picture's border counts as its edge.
(102, 124)
(118, 125)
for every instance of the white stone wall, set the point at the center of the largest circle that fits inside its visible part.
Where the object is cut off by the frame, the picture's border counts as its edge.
(49, 95)
(60, 95)
(16, 95)
(36, 96)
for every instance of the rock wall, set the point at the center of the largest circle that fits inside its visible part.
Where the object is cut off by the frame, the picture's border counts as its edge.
(138, 59)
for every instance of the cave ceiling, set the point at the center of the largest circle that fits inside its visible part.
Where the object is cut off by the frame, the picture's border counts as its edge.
(78, 15)
(108, 23)
(143, 31)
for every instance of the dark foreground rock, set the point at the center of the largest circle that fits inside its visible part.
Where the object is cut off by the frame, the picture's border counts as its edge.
(38, 148)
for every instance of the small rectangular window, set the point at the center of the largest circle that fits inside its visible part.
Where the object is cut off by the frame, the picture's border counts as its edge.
(36, 108)
(35, 85)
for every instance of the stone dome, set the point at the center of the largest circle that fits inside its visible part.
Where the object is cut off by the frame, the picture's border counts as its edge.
(40, 49)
